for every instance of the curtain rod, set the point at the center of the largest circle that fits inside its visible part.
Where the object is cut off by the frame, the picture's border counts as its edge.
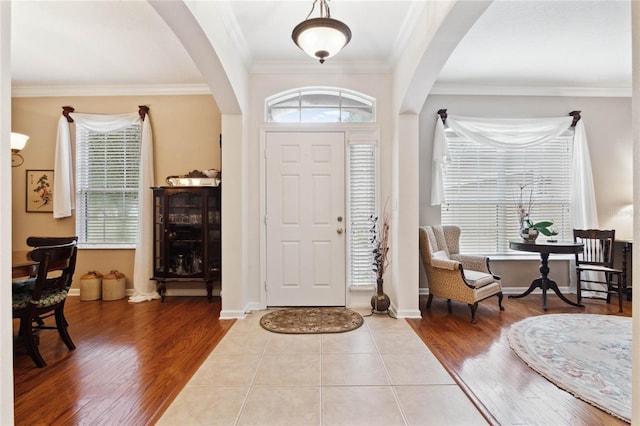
(143, 110)
(575, 114)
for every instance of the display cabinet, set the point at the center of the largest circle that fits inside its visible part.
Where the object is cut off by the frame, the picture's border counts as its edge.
(186, 235)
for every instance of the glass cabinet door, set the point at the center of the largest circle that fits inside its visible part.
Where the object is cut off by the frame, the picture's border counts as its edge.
(183, 230)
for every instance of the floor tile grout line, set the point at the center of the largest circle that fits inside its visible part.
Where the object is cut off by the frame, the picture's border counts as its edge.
(253, 379)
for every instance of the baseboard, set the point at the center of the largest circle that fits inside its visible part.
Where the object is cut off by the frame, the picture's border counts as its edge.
(170, 292)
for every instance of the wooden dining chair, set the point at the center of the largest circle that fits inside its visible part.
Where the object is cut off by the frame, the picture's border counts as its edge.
(33, 304)
(594, 265)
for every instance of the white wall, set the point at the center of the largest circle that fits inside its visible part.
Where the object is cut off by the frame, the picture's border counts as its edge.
(608, 126)
(6, 330)
(265, 85)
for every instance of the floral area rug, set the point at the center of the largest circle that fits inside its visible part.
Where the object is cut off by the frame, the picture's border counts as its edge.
(586, 355)
(311, 320)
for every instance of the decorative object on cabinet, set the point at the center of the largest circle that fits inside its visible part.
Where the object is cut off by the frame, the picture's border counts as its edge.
(209, 177)
(39, 192)
(186, 235)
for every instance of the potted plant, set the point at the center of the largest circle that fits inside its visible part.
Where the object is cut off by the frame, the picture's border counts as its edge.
(529, 230)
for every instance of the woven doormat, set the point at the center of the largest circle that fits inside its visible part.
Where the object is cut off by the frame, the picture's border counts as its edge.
(311, 320)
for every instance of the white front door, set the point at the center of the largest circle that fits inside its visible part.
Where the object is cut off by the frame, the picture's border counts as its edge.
(305, 219)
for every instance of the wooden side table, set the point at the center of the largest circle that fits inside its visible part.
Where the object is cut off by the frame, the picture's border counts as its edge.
(543, 282)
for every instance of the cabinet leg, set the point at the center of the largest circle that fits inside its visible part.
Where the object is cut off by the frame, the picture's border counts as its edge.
(162, 289)
(210, 290)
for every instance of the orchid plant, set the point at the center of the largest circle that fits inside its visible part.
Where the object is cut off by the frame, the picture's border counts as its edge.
(544, 227)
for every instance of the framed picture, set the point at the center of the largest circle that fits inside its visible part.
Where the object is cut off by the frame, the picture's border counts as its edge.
(39, 191)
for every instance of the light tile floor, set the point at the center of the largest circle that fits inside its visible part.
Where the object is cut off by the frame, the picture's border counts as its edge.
(379, 374)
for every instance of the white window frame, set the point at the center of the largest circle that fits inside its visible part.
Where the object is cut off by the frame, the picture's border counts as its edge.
(334, 107)
(84, 188)
(540, 168)
(357, 133)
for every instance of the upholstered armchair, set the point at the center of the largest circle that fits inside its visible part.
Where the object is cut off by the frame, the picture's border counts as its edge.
(455, 276)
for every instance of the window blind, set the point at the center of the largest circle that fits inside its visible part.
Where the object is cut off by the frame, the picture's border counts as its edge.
(362, 205)
(482, 187)
(107, 180)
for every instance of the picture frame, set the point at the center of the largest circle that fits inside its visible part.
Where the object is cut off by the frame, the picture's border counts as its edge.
(39, 191)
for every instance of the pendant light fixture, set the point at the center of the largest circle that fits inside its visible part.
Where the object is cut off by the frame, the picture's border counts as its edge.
(321, 37)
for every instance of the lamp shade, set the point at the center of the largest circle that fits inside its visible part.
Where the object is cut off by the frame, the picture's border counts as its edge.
(321, 38)
(18, 141)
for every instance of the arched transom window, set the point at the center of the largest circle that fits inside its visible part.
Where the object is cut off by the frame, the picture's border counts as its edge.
(320, 105)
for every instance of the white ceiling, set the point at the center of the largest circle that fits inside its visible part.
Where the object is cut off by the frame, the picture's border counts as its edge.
(534, 44)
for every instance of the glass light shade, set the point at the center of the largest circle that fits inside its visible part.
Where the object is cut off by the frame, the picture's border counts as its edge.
(18, 141)
(321, 38)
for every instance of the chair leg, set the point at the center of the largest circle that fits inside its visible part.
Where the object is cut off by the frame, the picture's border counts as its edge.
(500, 296)
(61, 325)
(619, 294)
(579, 288)
(26, 331)
(429, 300)
(473, 308)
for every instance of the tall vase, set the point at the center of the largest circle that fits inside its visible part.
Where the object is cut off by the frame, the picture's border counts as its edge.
(380, 302)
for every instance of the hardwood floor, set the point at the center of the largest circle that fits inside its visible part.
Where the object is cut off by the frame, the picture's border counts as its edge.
(132, 360)
(500, 384)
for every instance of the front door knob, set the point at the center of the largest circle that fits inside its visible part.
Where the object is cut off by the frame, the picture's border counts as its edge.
(339, 230)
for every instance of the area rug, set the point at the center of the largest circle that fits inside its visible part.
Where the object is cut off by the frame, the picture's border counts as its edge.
(584, 354)
(311, 320)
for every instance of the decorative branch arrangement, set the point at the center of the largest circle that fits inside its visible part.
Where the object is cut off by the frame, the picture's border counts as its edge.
(380, 244)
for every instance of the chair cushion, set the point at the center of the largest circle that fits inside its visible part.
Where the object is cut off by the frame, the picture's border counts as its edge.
(22, 298)
(23, 285)
(478, 279)
(440, 254)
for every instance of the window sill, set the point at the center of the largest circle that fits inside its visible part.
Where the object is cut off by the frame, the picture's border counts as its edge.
(366, 287)
(102, 246)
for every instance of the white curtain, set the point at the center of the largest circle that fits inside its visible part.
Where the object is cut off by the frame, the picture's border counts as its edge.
(64, 188)
(517, 133)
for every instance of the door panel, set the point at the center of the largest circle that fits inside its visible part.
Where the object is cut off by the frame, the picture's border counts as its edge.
(304, 198)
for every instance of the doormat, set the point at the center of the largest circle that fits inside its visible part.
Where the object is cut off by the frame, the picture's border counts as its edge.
(311, 320)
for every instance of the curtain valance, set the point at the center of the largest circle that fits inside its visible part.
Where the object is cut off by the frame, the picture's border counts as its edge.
(515, 134)
(64, 185)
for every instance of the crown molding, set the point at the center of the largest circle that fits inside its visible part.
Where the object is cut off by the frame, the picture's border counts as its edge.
(111, 90)
(488, 90)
